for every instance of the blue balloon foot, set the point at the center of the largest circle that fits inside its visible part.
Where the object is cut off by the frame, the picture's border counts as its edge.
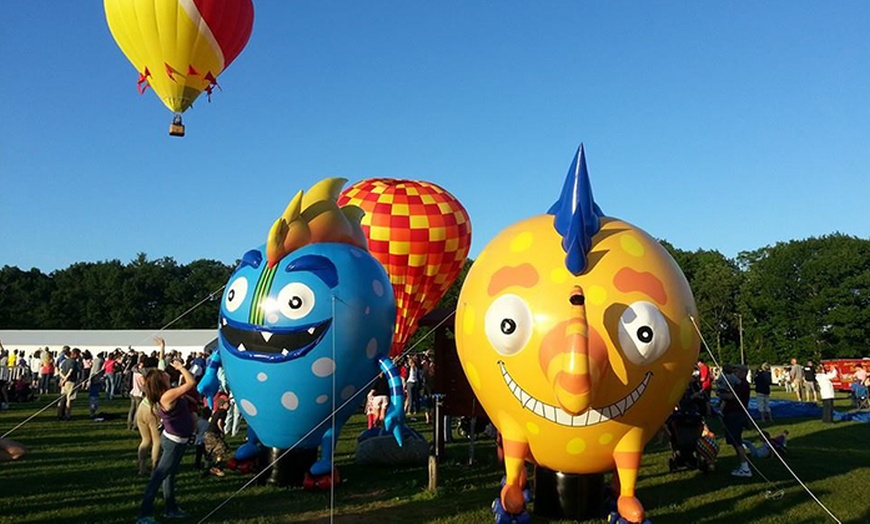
(614, 518)
(503, 517)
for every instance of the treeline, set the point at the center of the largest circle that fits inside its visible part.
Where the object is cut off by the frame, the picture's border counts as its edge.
(143, 294)
(803, 298)
(807, 299)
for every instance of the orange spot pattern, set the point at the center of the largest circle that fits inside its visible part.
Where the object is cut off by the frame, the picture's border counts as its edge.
(524, 275)
(628, 280)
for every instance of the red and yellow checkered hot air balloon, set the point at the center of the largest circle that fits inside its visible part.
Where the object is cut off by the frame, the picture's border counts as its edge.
(421, 234)
(180, 47)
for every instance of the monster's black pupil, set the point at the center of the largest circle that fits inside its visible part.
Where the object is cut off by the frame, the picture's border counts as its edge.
(231, 295)
(508, 326)
(295, 302)
(645, 334)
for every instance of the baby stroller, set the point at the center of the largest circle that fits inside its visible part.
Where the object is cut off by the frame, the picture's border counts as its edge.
(685, 428)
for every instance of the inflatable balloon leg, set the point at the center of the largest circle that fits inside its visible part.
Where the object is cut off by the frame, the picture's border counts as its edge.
(305, 323)
(575, 332)
(421, 234)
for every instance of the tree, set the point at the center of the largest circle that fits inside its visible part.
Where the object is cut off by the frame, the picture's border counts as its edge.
(24, 298)
(715, 282)
(194, 294)
(85, 295)
(809, 298)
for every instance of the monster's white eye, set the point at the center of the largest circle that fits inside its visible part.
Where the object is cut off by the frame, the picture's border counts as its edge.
(236, 294)
(508, 324)
(295, 300)
(643, 333)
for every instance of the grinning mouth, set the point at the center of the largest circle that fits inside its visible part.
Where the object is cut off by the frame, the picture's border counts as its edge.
(271, 345)
(588, 418)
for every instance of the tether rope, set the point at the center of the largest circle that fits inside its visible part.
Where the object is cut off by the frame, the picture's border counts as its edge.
(365, 388)
(760, 432)
(78, 385)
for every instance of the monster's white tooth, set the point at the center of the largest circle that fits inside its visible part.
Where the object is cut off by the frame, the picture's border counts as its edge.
(284, 352)
(539, 409)
(311, 330)
(606, 413)
(563, 418)
(594, 417)
(580, 420)
(550, 413)
(524, 397)
(515, 389)
(242, 347)
(634, 396)
(266, 335)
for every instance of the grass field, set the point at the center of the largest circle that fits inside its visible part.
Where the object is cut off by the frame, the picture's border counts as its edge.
(84, 471)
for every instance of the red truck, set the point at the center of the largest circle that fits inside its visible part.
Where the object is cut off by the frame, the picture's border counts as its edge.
(846, 370)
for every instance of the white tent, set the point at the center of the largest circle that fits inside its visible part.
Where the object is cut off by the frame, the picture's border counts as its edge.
(183, 340)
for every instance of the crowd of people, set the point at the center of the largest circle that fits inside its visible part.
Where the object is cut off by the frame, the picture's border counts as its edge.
(165, 408)
(809, 382)
(418, 376)
(732, 387)
(169, 415)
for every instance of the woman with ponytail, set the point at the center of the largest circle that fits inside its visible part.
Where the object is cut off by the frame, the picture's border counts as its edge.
(171, 406)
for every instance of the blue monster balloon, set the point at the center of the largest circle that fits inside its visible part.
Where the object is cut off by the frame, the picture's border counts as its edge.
(306, 322)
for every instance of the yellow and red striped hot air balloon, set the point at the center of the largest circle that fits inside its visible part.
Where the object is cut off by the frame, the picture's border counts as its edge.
(421, 234)
(180, 47)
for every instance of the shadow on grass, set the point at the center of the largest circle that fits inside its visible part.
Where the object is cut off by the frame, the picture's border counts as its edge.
(83, 471)
(818, 454)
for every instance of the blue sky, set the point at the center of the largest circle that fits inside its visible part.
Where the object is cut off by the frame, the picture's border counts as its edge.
(715, 125)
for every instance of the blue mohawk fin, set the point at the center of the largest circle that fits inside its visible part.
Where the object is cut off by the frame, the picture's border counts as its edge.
(576, 215)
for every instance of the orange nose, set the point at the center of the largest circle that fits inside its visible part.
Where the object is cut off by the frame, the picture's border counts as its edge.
(566, 361)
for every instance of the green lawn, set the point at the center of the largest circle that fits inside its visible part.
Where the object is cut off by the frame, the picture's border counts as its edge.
(84, 471)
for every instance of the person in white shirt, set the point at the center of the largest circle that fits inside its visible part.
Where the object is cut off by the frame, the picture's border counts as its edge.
(826, 390)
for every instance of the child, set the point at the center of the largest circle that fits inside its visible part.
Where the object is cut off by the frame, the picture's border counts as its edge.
(215, 445)
(764, 451)
(708, 448)
(201, 428)
(371, 413)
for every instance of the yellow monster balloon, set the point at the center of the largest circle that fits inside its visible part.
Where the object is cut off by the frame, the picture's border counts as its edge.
(575, 332)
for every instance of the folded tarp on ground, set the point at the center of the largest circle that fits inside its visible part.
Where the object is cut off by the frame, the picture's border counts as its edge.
(795, 409)
(857, 416)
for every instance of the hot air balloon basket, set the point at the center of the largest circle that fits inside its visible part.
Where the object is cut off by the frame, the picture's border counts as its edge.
(176, 129)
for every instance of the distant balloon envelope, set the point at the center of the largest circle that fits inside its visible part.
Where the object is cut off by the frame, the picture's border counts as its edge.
(180, 47)
(421, 234)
